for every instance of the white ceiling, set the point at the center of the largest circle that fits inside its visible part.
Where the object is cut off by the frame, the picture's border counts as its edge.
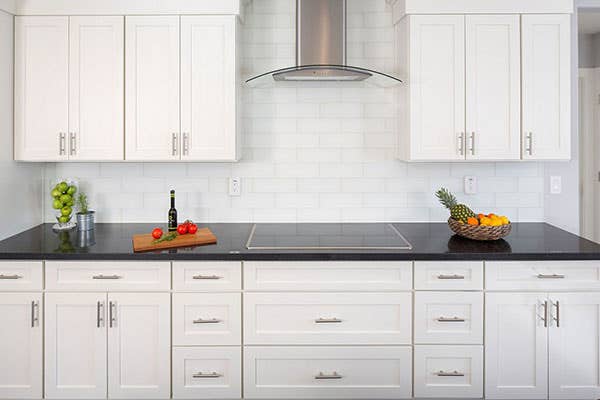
(589, 22)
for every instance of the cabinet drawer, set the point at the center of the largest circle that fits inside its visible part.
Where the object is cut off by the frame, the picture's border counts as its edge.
(448, 318)
(108, 276)
(452, 275)
(207, 276)
(327, 318)
(207, 373)
(449, 371)
(328, 275)
(543, 275)
(207, 319)
(21, 276)
(327, 372)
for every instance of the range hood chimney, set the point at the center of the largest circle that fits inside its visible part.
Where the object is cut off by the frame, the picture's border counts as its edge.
(321, 48)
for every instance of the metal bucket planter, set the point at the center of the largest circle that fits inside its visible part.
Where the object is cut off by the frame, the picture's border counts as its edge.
(86, 222)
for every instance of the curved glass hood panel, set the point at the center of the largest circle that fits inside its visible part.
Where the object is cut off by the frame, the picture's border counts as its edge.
(323, 73)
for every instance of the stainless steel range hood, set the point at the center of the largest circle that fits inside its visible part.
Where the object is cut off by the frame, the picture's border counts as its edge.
(321, 49)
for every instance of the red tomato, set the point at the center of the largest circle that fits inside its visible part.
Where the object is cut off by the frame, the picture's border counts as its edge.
(192, 229)
(157, 233)
(182, 229)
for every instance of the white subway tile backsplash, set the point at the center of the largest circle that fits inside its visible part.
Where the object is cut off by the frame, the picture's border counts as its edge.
(312, 152)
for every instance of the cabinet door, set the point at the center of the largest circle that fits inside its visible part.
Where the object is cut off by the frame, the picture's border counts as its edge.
(21, 346)
(96, 88)
(75, 341)
(139, 346)
(516, 346)
(573, 343)
(493, 80)
(152, 88)
(437, 87)
(41, 88)
(209, 88)
(546, 52)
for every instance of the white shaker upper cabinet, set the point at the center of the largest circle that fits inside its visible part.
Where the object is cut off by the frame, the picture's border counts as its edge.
(96, 88)
(546, 52)
(152, 88)
(41, 88)
(493, 82)
(209, 88)
(436, 82)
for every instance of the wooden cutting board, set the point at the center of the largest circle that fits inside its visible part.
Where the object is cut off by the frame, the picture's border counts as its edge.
(204, 236)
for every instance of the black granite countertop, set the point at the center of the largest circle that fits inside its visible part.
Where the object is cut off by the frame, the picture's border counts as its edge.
(433, 241)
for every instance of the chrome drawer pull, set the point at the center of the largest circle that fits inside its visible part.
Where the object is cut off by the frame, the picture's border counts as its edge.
(453, 373)
(323, 376)
(112, 314)
(207, 321)
(557, 318)
(201, 375)
(35, 314)
(100, 314)
(328, 321)
(450, 277)
(107, 277)
(207, 277)
(553, 276)
(453, 319)
(10, 277)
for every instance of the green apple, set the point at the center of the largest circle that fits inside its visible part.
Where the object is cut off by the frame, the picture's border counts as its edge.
(56, 193)
(66, 211)
(71, 190)
(63, 186)
(64, 220)
(57, 205)
(65, 198)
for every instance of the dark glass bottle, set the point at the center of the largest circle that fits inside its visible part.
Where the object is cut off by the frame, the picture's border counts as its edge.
(172, 214)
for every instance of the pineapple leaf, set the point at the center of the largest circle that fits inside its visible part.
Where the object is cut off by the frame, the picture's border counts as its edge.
(447, 199)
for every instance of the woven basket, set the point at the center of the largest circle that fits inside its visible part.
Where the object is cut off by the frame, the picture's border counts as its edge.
(479, 232)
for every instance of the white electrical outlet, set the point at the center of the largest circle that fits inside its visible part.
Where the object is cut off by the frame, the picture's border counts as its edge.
(470, 185)
(235, 186)
(555, 185)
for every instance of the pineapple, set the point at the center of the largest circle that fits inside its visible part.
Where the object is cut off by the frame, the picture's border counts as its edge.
(459, 212)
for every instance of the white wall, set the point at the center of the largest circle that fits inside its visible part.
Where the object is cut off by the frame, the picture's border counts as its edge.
(321, 152)
(20, 197)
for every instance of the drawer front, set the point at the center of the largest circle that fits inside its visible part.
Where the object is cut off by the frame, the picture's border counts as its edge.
(17, 276)
(449, 372)
(452, 275)
(207, 373)
(207, 276)
(328, 275)
(108, 276)
(543, 275)
(448, 318)
(207, 319)
(327, 372)
(327, 318)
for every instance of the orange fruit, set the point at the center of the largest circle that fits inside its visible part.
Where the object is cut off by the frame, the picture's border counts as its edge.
(473, 221)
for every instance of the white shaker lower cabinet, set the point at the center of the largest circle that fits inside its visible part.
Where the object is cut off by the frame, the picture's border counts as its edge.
(139, 344)
(516, 346)
(21, 346)
(75, 342)
(327, 372)
(574, 350)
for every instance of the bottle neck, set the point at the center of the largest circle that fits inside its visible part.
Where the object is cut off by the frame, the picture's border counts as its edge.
(172, 201)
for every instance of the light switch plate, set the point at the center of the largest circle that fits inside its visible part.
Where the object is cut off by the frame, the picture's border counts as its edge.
(235, 187)
(470, 185)
(555, 185)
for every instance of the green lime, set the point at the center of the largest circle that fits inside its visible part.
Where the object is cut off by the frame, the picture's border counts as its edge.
(66, 211)
(57, 205)
(65, 198)
(64, 220)
(71, 190)
(62, 187)
(56, 193)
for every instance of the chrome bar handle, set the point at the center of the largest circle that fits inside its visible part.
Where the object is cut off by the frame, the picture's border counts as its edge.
(557, 318)
(175, 135)
(100, 315)
(450, 374)
(62, 144)
(106, 277)
(201, 375)
(529, 143)
(461, 144)
(323, 376)
(207, 321)
(207, 277)
(186, 144)
(453, 319)
(544, 316)
(35, 314)
(472, 149)
(10, 277)
(112, 314)
(72, 143)
(450, 277)
(328, 321)
(553, 276)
